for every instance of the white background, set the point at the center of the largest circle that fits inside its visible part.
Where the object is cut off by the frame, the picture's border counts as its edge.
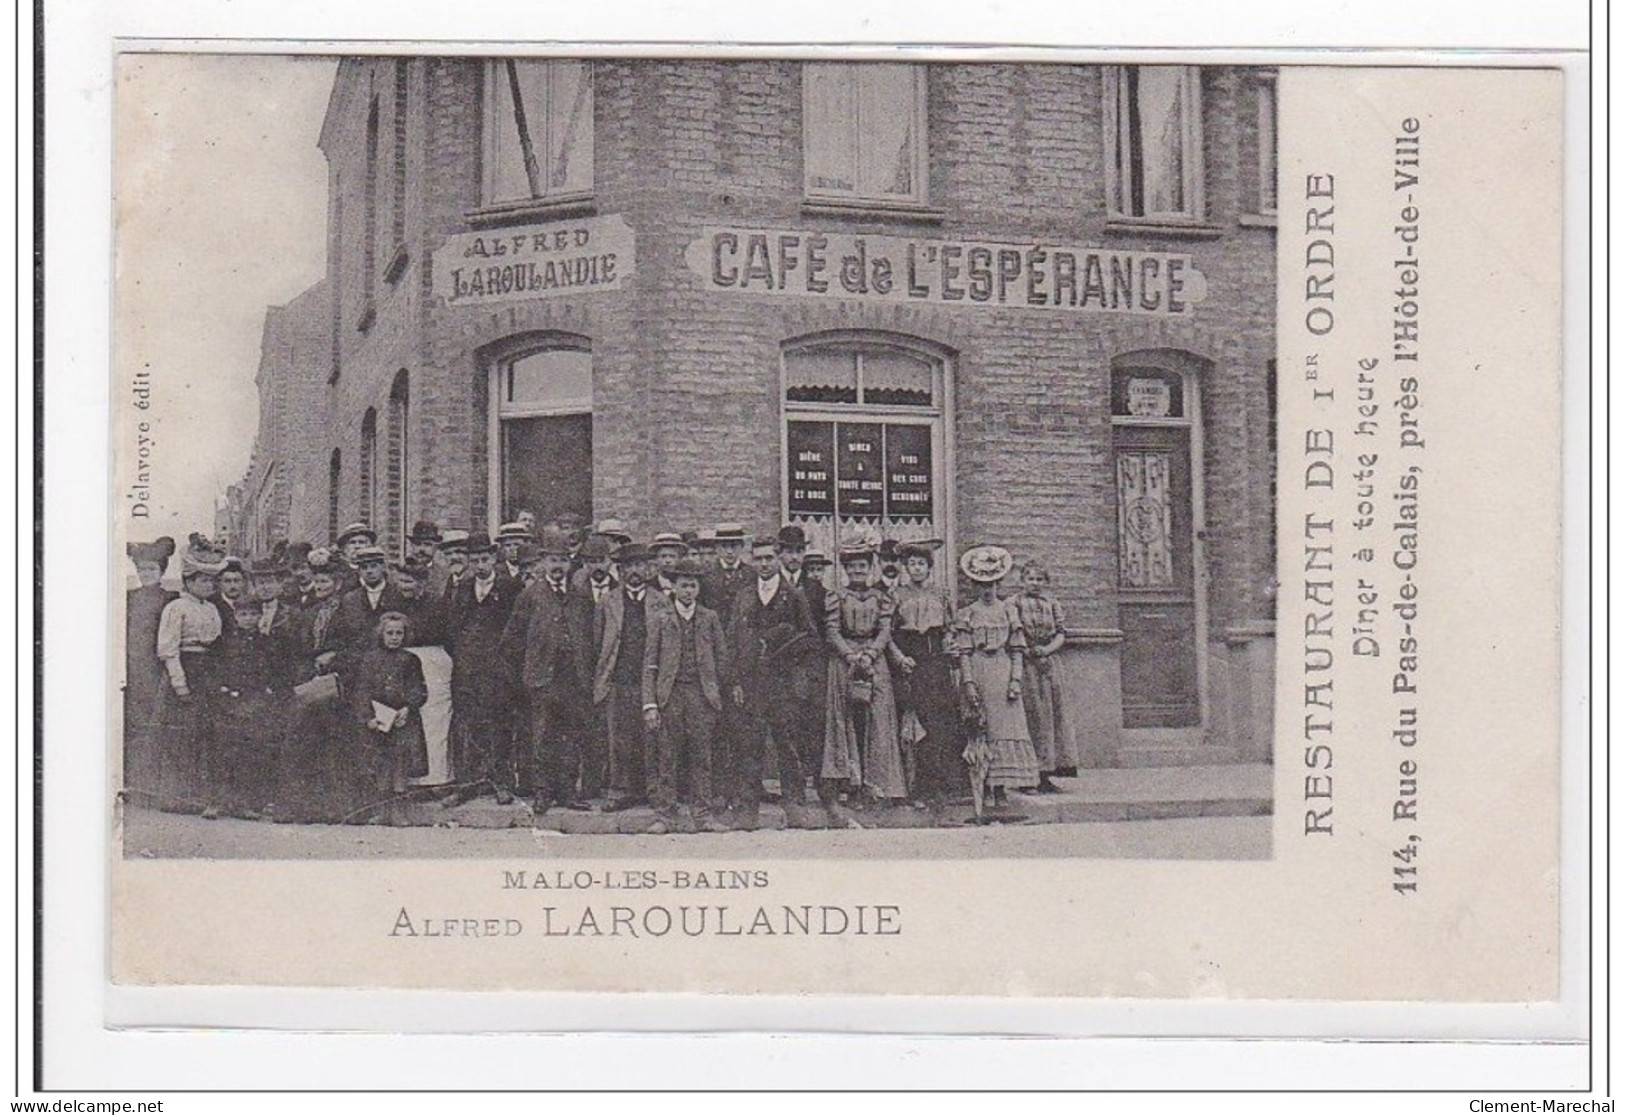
(82, 1054)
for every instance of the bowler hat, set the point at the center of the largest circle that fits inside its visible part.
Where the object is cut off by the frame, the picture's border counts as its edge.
(596, 548)
(298, 553)
(477, 543)
(792, 538)
(615, 530)
(632, 552)
(687, 567)
(552, 541)
(424, 531)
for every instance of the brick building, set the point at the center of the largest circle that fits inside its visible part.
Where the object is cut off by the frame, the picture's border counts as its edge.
(1024, 304)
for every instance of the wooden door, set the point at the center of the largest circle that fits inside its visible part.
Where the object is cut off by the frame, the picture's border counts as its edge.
(1156, 576)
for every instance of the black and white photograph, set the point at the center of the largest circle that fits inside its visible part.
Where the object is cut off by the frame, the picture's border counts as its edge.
(764, 456)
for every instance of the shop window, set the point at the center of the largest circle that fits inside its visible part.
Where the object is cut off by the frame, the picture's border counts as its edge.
(395, 471)
(864, 132)
(334, 475)
(538, 131)
(1153, 125)
(366, 471)
(864, 440)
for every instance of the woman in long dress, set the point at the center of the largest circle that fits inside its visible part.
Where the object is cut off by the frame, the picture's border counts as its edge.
(861, 752)
(994, 644)
(1045, 628)
(922, 653)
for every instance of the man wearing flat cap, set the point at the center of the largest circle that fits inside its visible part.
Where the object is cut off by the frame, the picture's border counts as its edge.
(548, 639)
(354, 623)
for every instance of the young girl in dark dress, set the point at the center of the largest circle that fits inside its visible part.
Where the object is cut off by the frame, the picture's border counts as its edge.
(388, 698)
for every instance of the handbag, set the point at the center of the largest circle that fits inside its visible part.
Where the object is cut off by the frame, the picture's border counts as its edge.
(317, 691)
(861, 689)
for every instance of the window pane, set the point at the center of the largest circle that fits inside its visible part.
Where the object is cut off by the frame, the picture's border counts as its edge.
(886, 130)
(510, 176)
(570, 129)
(831, 108)
(555, 379)
(813, 376)
(1161, 113)
(895, 378)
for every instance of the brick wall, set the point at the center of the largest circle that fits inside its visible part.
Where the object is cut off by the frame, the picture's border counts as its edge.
(687, 398)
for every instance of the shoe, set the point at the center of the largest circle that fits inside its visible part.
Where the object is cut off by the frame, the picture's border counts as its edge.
(1066, 772)
(1045, 786)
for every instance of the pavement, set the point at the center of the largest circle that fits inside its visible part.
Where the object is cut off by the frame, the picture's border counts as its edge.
(1213, 812)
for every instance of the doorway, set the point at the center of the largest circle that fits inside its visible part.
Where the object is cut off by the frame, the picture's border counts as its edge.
(1158, 500)
(541, 436)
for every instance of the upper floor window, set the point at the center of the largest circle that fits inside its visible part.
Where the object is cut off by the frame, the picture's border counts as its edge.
(1153, 122)
(538, 131)
(864, 131)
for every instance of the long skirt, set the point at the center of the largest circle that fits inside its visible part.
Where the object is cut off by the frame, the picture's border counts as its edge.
(928, 707)
(183, 731)
(1046, 716)
(316, 780)
(436, 715)
(1011, 760)
(861, 744)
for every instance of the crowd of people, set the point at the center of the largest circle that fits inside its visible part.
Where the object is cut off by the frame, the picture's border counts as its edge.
(582, 669)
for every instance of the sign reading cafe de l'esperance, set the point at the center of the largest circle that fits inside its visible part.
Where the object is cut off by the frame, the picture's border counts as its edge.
(597, 254)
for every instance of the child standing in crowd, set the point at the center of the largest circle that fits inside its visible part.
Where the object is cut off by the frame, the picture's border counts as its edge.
(1045, 628)
(927, 693)
(388, 696)
(251, 691)
(684, 662)
(994, 645)
(861, 752)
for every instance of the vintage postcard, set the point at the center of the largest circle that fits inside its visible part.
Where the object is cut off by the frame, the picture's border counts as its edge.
(917, 525)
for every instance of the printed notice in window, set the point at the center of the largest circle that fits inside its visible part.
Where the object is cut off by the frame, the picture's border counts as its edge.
(1138, 578)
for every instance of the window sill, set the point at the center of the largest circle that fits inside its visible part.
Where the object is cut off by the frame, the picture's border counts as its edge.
(873, 210)
(513, 213)
(1178, 230)
(398, 260)
(1256, 220)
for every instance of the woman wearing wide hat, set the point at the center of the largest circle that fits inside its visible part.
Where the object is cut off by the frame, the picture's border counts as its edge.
(993, 644)
(861, 752)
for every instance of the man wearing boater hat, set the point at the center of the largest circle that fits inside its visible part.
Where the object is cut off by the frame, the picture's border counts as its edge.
(731, 574)
(548, 638)
(355, 622)
(350, 542)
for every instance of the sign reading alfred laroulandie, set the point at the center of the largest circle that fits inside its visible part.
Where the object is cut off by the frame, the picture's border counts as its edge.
(765, 526)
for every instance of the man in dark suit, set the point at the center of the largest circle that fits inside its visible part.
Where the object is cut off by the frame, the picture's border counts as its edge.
(778, 671)
(683, 666)
(483, 700)
(620, 635)
(355, 623)
(549, 639)
(731, 574)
